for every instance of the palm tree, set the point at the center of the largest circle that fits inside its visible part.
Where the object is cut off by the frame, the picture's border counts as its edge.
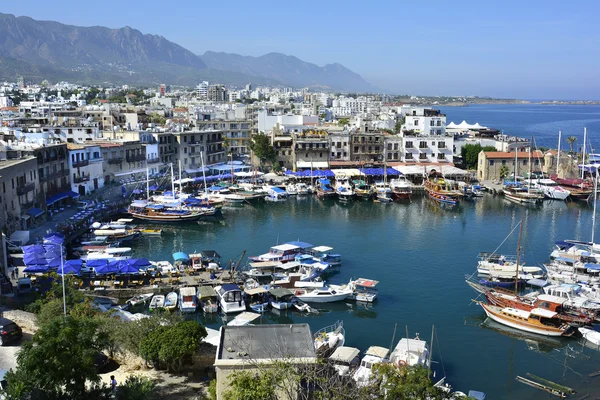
(571, 140)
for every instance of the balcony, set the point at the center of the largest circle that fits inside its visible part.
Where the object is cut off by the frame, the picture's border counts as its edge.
(80, 179)
(115, 160)
(136, 157)
(21, 190)
(27, 205)
(80, 163)
(153, 160)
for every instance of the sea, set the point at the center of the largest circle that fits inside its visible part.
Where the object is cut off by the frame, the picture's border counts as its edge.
(420, 253)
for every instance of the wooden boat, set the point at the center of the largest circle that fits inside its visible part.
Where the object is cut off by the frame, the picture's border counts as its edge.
(441, 191)
(171, 301)
(580, 189)
(157, 302)
(151, 232)
(324, 189)
(539, 320)
(523, 195)
(160, 213)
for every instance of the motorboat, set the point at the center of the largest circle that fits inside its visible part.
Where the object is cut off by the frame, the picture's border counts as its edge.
(374, 355)
(343, 188)
(322, 295)
(208, 299)
(257, 298)
(291, 189)
(490, 263)
(157, 302)
(590, 336)
(230, 298)
(171, 301)
(323, 254)
(522, 195)
(362, 189)
(276, 194)
(283, 253)
(329, 338)
(303, 189)
(539, 320)
(139, 299)
(345, 360)
(280, 298)
(187, 299)
(411, 352)
(302, 306)
(324, 189)
(361, 289)
(550, 188)
(401, 187)
(383, 192)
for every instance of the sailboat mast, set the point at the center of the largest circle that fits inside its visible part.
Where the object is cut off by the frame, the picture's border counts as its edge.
(431, 346)
(180, 189)
(203, 174)
(231, 168)
(594, 215)
(515, 169)
(583, 154)
(529, 159)
(172, 182)
(147, 185)
(518, 256)
(558, 155)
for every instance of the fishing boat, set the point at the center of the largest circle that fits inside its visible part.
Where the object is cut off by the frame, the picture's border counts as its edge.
(516, 193)
(374, 355)
(329, 338)
(157, 302)
(539, 320)
(361, 289)
(280, 298)
(257, 299)
(187, 299)
(401, 188)
(171, 301)
(150, 232)
(343, 188)
(322, 295)
(362, 190)
(440, 190)
(159, 213)
(230, 298)
(139, 299)
(324, 189)
(208, 299)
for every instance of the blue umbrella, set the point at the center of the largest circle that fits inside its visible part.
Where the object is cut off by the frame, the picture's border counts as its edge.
(138, 262)
(54, 238)
(109, 268)
(71, 267)
(34, 269)
(126, 268)
(35, 259)
(34, 248)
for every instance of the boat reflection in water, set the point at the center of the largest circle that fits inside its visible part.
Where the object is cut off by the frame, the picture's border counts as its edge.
(537, 343)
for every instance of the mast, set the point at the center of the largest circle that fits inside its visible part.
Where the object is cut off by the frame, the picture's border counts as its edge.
(558, 156)
(431, 346)
(231, 168)
(583, 155)
(515, 169)
(203, 174)
(518, 257)
(529, 159)
(172, 182)
(147, 185)
(180, 188)
(594, 215)
(311, 170)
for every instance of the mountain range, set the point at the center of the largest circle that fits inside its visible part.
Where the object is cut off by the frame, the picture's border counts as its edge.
(50, 50)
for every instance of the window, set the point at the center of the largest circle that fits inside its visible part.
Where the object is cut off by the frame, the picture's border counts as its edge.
(524, 162)
(339, 154)
(491, 162)
(439, 123)
(185, 150)
(408, 156)
(422, 156)
(389, 156)
(441, 156)
(409, 145)
(422, 145)
(356, 149)
(338, 144)
(503, 162)
(320, 155)
(389, 146)
(432, 123)
(441, 145)
(416, 122)
(395, 146)
(184, 139)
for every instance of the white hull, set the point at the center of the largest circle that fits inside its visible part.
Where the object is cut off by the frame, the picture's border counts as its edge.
(520, 327)
(281, 305)
(310, 298)
(520, 200)
(230, 308)
(590, 335)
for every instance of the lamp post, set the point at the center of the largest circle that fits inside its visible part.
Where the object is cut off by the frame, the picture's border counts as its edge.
(62, 266)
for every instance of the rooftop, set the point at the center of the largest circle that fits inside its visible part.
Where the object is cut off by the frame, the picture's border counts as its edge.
(511, 155)
(260, 342)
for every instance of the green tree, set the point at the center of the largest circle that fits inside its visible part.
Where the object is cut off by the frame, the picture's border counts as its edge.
(470, 154)
(262, 148)
(136, 388)
(343, 121)
(398, 125)
(404, 383)
(504, 171)
(58, 361)
(571, 140)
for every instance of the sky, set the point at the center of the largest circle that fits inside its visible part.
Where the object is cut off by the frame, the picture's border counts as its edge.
(526, 49)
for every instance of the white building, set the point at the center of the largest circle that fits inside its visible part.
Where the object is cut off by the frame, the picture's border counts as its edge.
(85, 167)
(424, 137)
(267, 122)
(5, 101)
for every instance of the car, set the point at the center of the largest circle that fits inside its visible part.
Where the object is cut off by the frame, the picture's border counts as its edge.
(9, 331)
(84, 205)
(24, 285)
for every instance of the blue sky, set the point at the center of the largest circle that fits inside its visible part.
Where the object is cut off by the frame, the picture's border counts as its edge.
(525, 49)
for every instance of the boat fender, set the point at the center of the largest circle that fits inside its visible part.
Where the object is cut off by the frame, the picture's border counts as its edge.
(400, 363)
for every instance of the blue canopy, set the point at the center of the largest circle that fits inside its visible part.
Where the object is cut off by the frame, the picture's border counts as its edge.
(302, 245)
(35, 259)
(379, 171)
(54, 238)
(100, 262)
(229, 286)
(277, 190)
(595, 267)
(153, 187)
(138, 262)
(34, 249)
(57, 197)
(179, 256)
(35, 212)
(35, 269)
(72, 194)
(126, 268)
(136, 191)
(71, 267)
(108, 268)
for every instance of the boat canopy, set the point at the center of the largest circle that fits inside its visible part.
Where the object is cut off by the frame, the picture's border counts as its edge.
(564, 259)
(302, 245)
(369, 283)
(228, 287)
(322, 249)
(265, 264)
(257, 290)
(345, 354)
(285, 247)
(552, 299)
(277, 190)
(537, 282)
(377, 351)
(595, 267)
(155, 206)
(542, 312)
(280, 292)
(206, 291)
(180, 256)
(210, 254)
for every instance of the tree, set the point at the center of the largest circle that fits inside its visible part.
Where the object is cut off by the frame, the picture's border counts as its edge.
(136, 388)
(503, 172)
(398, 125)
(405, 383)
(262, 148)
(470, 154)
(571, 140)
(58, 361)
(343, 121)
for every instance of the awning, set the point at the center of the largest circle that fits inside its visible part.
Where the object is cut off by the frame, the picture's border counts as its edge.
(57, 197)
(312, 164)
(346, 172)
(35, 212)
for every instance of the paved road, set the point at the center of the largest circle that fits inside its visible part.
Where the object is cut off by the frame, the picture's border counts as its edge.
(8, 356)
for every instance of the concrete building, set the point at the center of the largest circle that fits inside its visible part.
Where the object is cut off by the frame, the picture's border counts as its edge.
(18, 188)
(491, 163)
(393, 150)
(122, 159)
(85, 167)
(217, 93)
(237, 132)
(310, 148)
(367, 147)
(339, 143)
(247, 347)
(267, 121)
(191, 145)
(424, 137)
(53, 174)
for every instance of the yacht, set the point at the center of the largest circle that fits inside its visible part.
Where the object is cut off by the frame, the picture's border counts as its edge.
(411, 352)
(401, 187)
(230, 298)
(383, 192)
(374, 355)
(551, 189)
(344, 189)
(322, 295)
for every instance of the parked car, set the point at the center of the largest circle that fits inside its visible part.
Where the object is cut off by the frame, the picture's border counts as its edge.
(9, 331)
(84, 205)
(24, 286)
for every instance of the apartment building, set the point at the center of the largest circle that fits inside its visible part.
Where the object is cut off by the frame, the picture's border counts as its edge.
(85, 167)
(339, 143)
(367, 147)
(424, 137)
(122, 158)
(19, 187)
(191, 145)
(237, 132)
(310, 149)
(52, 172)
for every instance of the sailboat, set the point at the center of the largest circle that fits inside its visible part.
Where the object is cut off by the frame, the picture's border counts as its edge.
(517, 193)
(383, 192)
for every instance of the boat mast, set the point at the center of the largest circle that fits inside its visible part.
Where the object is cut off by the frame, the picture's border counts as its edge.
(431, 346)
(515, 169)
(147, 185)
(583, 155)
(172, 182)
(518, 257)
(529, 159)
(558, 155)
(594, 215)
(180, 189)
(203, 174)
(231, 155)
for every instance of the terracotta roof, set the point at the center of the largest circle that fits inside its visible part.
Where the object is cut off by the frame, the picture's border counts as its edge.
(180, 110)
(73, 146)
(107, 144)
(511, 155)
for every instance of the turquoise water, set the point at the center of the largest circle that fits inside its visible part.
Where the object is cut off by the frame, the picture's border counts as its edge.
(420, 254)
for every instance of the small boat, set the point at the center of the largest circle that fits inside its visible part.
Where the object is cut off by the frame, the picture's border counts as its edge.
(401, 187)
(362, 190)
(291, 189)
(151, 232)
(230, 298)
(280, 298)
(276, 194)
(343, 188)
(522, 195)
(440, 190)
(590, 336)
(302, 306)
(383, 192)
(187, 299)
(171, 301)
(322, 295)
(410, 352)
(303, 189)
(550, 189)
(361, 289)
(208, 299)
(157, 302)
(327, 339)
(139, 299)
(539, 320)
(257, 299)
(324, 189)
(345, 360)
(373, 355)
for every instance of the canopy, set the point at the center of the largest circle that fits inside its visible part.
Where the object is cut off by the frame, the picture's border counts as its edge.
(206, 291)
(71, 267)
(464, 125)
(36, 269)
(344, 354)
(54, 238)
(127, 268)
(153, 187)
(96, 263)
(35, 212)
(380, 171)
(108, 268)
(138, 262)
(180, 256)
(302, 245)
(248, 174)
(312, 164)
(347, 172)
(280, 292)
(60, 196)
(420, 170)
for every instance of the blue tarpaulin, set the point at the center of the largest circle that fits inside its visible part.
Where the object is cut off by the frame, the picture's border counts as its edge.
(302, 245)
(180, 256)
(60, 196)
(35, 212)
(124, 267)
(138, 262)
(595, 267)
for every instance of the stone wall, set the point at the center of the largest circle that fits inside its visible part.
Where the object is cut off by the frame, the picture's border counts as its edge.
(26, 320)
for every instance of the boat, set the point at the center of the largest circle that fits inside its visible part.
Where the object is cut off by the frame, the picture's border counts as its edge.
(551, 189)
(230, 298)
(579, 189)
(441, 191)
(139, 299)
(411, 352)
(283, 253)
(150, 232)
(157, 302)
(323, 254)
(324, 189)
(303, 189)
(187, 299)
(116, 235)
(401, 188)
(322, 295)
(171, 301)
(539, 320)
(280, 298)
(243, 319)
(329, 338)
(159, 213)
(361, 289)
(302, 306)
(362, 189)
(383, 192)
(291, 189)
(590, 336)
(275, 194)
(516, 193)
(490, 263)
(343, 188)
(373, 355)
(257, 298)
(208, 299)
(345, 360)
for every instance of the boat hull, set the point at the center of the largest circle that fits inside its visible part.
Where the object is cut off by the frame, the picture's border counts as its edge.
(523, 327)
(309, 298)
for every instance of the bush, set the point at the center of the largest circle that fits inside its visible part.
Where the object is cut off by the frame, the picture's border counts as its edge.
(135, 388)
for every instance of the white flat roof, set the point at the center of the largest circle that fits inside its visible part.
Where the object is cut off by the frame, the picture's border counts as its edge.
(552, 299)
(377, 351)
(243, 319)
(284, 247)
(322, 249)
(517, 313)
(542, 312)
